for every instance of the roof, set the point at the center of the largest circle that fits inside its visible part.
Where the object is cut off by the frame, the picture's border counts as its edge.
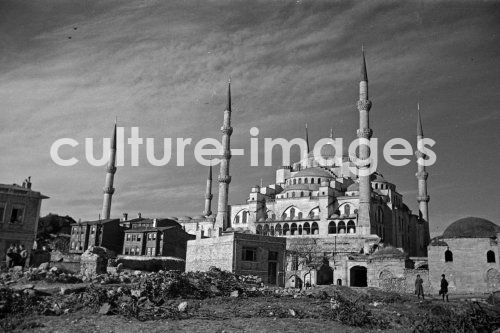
(471, 227)
(314, 172)
(97, 221)
(146, 229)
(20, 190)
(353, 187)
(377, 177)
(302, 187)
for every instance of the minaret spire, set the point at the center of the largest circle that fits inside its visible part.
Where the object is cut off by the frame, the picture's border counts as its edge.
(307, 140)
(222, 219)
(208, 193)
(364, 132)
(110, 175)
(422, 197)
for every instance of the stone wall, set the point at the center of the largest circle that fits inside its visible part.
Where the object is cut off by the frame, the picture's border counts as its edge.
(469, 272)
(152, 264)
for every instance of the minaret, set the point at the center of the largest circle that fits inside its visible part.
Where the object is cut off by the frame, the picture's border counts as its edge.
(110, 175)
(422, 197)
(208, 193)
(224, 178)
(364, 131)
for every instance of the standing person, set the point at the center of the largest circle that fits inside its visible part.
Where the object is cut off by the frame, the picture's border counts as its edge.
(24, 255)
(444, 288)
(419, 288)
(9, 257)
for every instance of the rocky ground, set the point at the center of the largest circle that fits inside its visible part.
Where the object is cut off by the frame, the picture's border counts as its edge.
(45, 300)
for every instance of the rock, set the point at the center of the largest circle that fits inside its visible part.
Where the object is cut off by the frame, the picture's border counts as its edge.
(105, 309)
(66, 290)
(182, 307)
(137, 273)
(94, 261)
(53, 269)
(30, 292)
(292, 312)
(235, 293)
(136, 293)
(44, 266)
(23, 287)
(16, 269)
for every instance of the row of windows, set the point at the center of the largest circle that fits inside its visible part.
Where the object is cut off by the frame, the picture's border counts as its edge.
(133, 251)
(16, 213)
(296, 181)
(342, 227)
(490, 256)
(133, 237)
(76, 246)
(288, 230)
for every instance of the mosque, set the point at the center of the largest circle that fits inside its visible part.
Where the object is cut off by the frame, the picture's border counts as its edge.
(332, 219)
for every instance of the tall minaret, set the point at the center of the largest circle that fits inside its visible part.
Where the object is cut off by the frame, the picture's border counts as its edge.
(422, 197)
(110, 175)
(364, 131)
(224, 177)
(208, 193)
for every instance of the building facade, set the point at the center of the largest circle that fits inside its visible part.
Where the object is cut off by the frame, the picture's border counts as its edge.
(106, 233)
(19, 214)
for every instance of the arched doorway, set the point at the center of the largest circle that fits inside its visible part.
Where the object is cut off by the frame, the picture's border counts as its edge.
(358, 277)
(325, 273)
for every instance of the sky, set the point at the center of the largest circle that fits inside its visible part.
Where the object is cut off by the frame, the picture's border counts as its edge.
(68, 68)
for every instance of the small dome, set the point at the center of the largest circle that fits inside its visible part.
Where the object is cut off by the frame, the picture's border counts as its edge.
(353, 187)
(172, 218)
(314, 172)
(471, 227)
(389, 251)
(184, 218)
(377, 177)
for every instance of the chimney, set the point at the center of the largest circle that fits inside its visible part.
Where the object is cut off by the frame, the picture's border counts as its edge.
(125, 216)
(154, 223)
(139, 215)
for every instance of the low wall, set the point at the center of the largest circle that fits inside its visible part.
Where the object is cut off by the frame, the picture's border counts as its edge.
(152, 264)
(406, 282)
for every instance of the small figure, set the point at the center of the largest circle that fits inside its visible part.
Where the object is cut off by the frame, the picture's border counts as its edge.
(444, 288)
(419, 289)
(9, 257)
(24, 255)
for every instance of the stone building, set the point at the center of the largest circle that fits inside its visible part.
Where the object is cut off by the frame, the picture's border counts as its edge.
(156, 241)
(240, 253)
(467, 253)
(19, 214)
(104, 233)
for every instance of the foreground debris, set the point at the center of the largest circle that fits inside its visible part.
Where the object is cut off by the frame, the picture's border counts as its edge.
(220, 295)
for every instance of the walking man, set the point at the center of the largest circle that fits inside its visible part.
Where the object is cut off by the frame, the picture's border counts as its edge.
(444, 288)
(419, 289)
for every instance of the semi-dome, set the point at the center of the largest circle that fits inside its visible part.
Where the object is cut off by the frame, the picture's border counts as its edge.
(314, 172)
(471, 227)
(302, 187)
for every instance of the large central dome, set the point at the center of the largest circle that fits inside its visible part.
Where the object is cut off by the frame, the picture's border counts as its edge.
(471, 227)
(314, 172)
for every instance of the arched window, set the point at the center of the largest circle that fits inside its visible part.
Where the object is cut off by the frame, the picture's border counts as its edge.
(305, 181)
(294, 181)
(448, 256)
(237, 219)
(273, 216)
(283, 217)
(314, 229)
(341, 227)
(347, 210)
(277, 230)
(293, 229)
(272, 231)
(292, 213)
(300, 181)
(332, 228)
(307, 228)
(299, 215)
(266, 230)
(259, 230)
(293, 194)
(490, 256)
(301, 193)
(319, 180)
(245, 217)
(286, 229)
(351, 227)
(300, 229)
